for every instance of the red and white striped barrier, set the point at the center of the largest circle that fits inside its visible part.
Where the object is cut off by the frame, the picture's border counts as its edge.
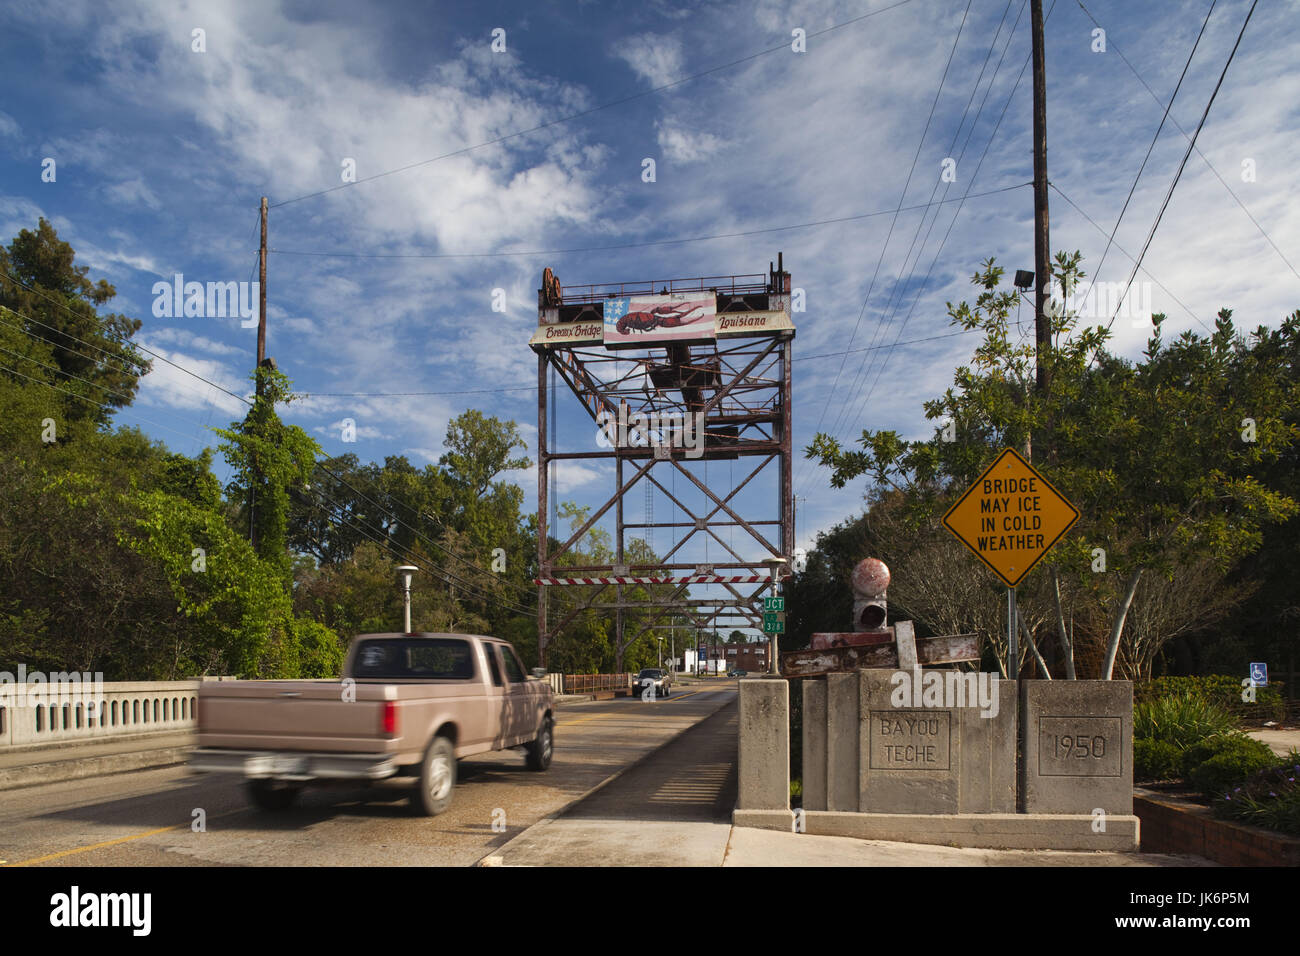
(689, 579)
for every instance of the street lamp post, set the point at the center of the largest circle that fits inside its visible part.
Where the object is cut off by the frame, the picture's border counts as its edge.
(406, 571)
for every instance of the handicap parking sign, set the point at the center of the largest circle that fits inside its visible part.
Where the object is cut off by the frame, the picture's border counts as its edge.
(1259, 674)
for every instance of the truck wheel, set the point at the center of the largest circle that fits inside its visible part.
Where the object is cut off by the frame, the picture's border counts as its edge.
(539, 751)
(437, 778)
(266, 796)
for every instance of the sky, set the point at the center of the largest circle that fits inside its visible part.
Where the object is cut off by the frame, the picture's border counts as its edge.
(475, 168)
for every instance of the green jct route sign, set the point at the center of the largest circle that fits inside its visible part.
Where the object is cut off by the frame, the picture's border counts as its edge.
(771, 604)
(774, 623)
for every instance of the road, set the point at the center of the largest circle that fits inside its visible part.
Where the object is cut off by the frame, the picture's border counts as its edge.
(151, 818)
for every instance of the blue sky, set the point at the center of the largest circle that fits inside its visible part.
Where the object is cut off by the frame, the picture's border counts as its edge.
(162, 154)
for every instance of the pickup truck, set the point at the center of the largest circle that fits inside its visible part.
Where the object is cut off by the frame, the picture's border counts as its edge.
(408, 705)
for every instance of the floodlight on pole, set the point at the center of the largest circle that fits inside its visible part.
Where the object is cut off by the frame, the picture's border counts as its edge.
(406, 570)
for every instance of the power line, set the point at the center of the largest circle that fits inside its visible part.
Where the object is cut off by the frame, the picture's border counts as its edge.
(533, 388)
(979, 165)
(627, 245)
(246, 402)
(890, 310)
(447, 575)
(91, 400)
(1269, 239)
(1128, 255)
(1181, 166)
(894, 220)
(125, 345)
(587, 112)
(1097, 272)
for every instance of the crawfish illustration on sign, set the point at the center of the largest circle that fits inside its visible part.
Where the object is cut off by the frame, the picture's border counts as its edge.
(665, 316)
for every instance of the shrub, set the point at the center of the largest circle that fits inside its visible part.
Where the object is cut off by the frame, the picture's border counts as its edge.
(1231, 759)
(1270, 798)
(1181, 719)
(1156, 760)
(1222, 690)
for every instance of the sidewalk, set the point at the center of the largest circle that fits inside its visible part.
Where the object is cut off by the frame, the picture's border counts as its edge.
(1282, 740)
(674, 809)
(34, 766)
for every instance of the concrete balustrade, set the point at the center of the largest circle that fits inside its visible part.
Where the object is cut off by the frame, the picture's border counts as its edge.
(38, 714)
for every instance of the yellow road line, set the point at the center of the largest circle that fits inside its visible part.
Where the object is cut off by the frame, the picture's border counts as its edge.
(148, 833)
(93, 846)
(108, 843)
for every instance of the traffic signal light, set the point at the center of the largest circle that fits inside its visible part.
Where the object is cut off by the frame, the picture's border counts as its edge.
(870, 582)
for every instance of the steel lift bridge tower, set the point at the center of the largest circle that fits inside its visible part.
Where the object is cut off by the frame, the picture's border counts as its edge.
(653, 364)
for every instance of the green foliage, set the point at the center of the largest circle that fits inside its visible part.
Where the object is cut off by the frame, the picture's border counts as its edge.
(269, 460)
(1179, 719)
(1269, 798)
(54, 302)
(1221, 690)
(1230, 759)
(1156, 760)
(1152, 454)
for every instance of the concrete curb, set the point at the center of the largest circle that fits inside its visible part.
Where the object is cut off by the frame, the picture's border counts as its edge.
(59, 771)
(495, 856)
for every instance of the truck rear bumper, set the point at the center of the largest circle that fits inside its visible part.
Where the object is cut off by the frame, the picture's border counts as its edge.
(292, 766)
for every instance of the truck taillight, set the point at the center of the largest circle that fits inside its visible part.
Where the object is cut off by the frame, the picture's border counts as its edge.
(389, 723)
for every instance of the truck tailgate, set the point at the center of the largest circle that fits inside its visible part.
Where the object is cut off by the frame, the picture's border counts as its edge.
(294, 715)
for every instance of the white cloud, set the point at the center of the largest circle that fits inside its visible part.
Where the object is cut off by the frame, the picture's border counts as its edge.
(187, 339)
(133, 192)
(686, 147)
(168, 387)
(655, 59)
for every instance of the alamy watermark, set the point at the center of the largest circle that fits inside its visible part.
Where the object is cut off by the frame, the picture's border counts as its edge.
(211, 300)
(651, 429)
(1106, 300)
(37, 689)
(945, 689)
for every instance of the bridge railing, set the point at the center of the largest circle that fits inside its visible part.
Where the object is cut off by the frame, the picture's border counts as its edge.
(36, 714)
(590, 683)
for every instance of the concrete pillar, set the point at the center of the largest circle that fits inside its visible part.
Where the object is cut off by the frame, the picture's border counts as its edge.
(814, 744)
(763, 742)
(842, 729)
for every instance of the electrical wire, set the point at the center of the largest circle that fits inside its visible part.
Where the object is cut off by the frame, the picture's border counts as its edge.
(1186, 66)
(632, 245)
(1269, 239)
(1181, 166)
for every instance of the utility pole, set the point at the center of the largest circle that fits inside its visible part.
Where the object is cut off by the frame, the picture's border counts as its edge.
(1042, 279)
(1042, 250)
(257, 375)
(261, 298)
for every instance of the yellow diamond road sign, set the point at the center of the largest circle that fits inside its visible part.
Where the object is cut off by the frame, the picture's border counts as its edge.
(1010, 517)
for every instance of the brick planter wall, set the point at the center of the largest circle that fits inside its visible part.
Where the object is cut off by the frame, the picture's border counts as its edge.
(1170, 825)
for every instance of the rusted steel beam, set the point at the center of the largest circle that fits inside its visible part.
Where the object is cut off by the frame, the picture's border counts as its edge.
(952, 649)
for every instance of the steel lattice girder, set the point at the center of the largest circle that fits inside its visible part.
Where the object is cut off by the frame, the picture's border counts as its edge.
(747, 415)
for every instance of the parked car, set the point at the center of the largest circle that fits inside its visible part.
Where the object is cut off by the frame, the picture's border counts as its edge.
(737, 672)
(409, 705)
(656, 677)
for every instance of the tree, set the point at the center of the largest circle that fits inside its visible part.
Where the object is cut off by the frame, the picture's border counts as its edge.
(1152, 453)
(269, 460)
(52, 300)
